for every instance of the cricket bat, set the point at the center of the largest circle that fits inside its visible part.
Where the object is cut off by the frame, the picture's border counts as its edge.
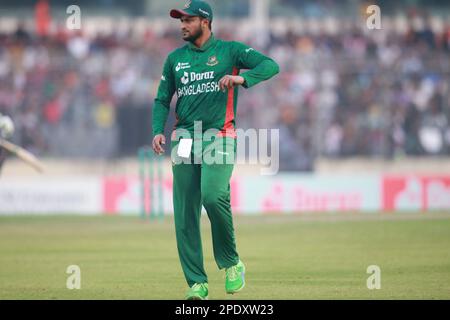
(23, 154)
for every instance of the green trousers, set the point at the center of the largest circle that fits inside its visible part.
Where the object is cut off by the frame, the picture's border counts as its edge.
(207, 184)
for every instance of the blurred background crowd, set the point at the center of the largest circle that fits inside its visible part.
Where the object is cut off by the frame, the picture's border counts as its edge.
(343, 90)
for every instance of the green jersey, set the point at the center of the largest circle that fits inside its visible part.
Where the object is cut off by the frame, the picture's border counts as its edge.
(193, 74)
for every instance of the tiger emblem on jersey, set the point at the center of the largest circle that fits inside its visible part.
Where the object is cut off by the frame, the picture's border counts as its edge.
(212, 61)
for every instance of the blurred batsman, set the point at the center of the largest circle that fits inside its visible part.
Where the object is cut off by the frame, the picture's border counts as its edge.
(6, 131)
(205, 76)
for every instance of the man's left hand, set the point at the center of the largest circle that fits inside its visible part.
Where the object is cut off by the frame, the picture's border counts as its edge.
(228, 82)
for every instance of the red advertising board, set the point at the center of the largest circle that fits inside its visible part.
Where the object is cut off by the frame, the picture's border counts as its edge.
(416, 193)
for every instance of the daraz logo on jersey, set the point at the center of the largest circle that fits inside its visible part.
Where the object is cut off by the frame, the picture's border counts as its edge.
(185, 78)
(188, 77)
(194, 76)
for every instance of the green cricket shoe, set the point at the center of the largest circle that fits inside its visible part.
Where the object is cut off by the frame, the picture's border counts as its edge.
(199, 291)
(235, 278)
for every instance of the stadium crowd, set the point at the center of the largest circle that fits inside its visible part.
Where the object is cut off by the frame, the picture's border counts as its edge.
(358, 93)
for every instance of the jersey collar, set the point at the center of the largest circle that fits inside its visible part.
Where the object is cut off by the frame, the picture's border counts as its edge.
(208, 44)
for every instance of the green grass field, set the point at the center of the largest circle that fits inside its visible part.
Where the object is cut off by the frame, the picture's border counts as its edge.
(287, 257)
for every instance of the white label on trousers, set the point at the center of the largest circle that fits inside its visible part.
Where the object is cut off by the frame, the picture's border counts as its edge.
(184, 148)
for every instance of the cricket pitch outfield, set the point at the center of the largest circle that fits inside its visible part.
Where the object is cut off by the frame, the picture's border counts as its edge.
(287, 257)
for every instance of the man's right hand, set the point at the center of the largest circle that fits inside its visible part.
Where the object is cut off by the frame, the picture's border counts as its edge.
(157, 143)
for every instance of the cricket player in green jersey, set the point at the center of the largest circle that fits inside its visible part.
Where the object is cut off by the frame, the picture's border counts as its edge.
(204, 74)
